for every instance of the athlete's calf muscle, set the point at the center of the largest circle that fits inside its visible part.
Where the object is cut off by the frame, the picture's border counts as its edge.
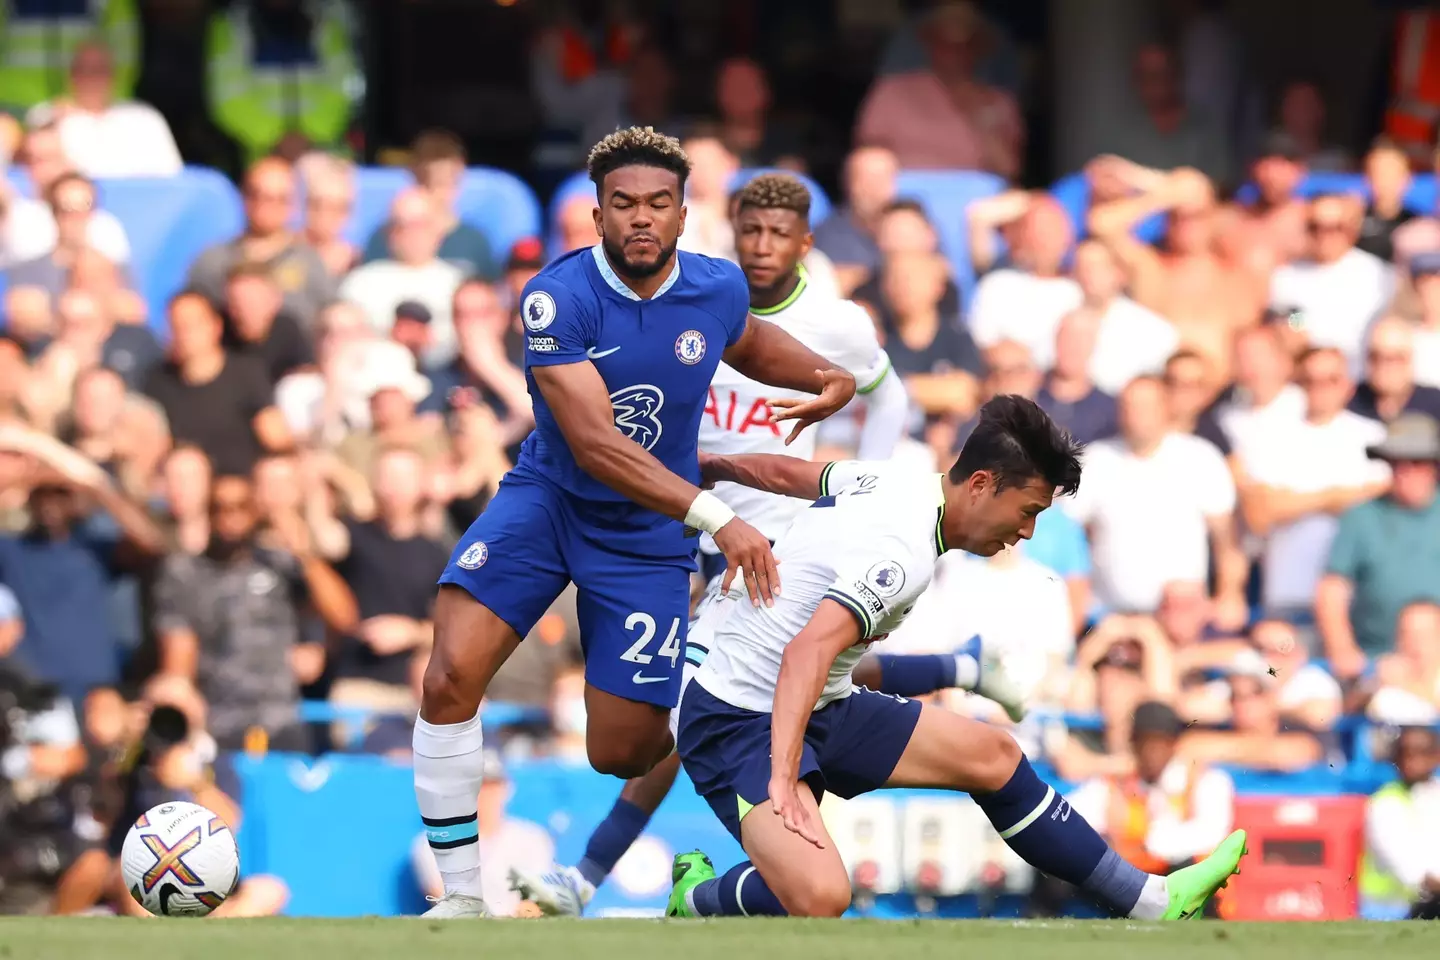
(471, 643)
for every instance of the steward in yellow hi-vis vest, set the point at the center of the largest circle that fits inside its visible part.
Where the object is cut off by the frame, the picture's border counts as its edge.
(282, 68)
(38, 40)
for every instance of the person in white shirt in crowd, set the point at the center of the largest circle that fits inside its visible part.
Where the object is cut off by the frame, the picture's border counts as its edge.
(1025, 300)
(506, 843)
(1306, 692)
(1406, 683)
(1132, 340)
(1170, 811)
(1400, 868)
(28, 230)
(414, 272)
(1158, 505)
(329, 184)
(1338, 290)
(1263, 391)
(1297, 476)
(103, 137)
(1425, 276)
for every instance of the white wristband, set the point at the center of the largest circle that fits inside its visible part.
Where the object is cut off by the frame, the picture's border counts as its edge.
(708, 513)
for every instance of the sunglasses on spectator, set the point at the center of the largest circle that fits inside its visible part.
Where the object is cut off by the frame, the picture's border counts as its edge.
(1325, 226)
(260, 196)
(1333, 380)
(221, 507)
(1388, 356)
(320, 203)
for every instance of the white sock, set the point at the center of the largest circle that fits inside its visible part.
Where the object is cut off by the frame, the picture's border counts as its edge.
(967, 671)
(1154, 900)
(449, 766)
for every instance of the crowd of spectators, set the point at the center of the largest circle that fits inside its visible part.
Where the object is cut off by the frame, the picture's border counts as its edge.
(226, 505)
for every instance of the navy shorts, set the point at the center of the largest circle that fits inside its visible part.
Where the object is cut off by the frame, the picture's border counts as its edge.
(633, 609)
(851, 747)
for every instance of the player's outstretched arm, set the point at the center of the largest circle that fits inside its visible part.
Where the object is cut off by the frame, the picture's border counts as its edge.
(773, 473)
(766, 353)
(576, 395)
(803, 669)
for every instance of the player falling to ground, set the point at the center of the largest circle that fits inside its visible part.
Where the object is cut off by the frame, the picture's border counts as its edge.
(772, 718)
(772, 238)
(622, 340)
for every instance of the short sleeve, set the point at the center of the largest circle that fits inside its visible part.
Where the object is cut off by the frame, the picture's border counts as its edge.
(1347, 550)
(559, 328)
(841, 474)
(737, 312)
(852, 345)
(877, 582)
(1213, 483)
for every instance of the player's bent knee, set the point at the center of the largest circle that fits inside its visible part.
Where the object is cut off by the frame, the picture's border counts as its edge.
(996, 755)
(625, 759)
(823, 898)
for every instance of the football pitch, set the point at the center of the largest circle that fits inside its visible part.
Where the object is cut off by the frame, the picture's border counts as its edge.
(374, 939)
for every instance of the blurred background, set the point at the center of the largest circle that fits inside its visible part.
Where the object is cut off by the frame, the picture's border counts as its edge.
(261, 367)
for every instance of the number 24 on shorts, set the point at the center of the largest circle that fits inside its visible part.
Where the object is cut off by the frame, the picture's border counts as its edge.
(646, 625)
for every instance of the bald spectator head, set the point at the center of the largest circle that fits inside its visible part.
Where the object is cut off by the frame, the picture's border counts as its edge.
(415, 229)
(1144, 413)
(1390, 358)
(1333, 222)
(27, 313)
(577, 223)
(99, 402)
(870, 174)
(1009, 368)
(904, 228)
(1075, 343)
(1043, 236)
(81, 320)
(269, 191)
(1098, 273)
(329, 195)
(712, 167)
(1262, 362)
(92, 76)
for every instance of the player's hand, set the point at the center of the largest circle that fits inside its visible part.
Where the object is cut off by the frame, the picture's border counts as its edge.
(746, 548)
(785, 804)
(837, 389)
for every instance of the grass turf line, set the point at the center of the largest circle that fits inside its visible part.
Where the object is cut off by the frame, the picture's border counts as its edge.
(388, 939)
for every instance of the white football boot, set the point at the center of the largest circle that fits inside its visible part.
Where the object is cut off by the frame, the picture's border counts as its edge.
(993, 682)
(456, 906)
(562, 892)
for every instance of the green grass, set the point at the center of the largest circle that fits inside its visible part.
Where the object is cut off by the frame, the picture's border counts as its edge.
(113, 939)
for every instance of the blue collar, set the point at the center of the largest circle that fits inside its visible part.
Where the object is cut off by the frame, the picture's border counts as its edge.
(618, 285)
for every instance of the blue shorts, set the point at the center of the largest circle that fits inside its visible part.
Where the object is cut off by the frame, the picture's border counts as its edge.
(633, 609)
(851, 747)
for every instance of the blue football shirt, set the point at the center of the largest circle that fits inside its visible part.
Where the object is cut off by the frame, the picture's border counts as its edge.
(656, 356)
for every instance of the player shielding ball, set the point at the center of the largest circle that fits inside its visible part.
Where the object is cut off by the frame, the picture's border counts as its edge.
(622, 341)
(772, 718)
(772, 234)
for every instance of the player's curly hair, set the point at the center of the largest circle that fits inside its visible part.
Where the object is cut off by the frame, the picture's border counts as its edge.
(637, 146)
(775, 191)
(1017, 442)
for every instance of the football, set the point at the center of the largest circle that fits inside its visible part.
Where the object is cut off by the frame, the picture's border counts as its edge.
(180, 860)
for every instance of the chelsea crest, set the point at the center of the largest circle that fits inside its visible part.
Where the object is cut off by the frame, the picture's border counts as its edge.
(690, 347)
(474, 556)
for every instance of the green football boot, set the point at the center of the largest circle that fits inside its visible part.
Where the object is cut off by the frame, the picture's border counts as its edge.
(690, 869)
(1190, 888)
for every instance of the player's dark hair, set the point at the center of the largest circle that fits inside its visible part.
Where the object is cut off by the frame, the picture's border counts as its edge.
(637, 147)
(776, 191)
(1017, 442)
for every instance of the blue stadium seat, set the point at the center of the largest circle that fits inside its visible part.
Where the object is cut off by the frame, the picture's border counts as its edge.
(495, 202)
(579, 185)
(1420, 198)
(169, 222)
(945, 194)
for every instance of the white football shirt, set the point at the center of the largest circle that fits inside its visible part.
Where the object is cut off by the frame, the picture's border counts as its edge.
(869, 543)
(737, 412)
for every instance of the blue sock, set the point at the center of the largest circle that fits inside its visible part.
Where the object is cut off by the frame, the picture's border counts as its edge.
(609, 841)
(741, 892)
(915, 676)
(1041, 826)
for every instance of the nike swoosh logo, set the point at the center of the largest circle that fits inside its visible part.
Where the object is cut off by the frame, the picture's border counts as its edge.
(594, 354)
(639, 679)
